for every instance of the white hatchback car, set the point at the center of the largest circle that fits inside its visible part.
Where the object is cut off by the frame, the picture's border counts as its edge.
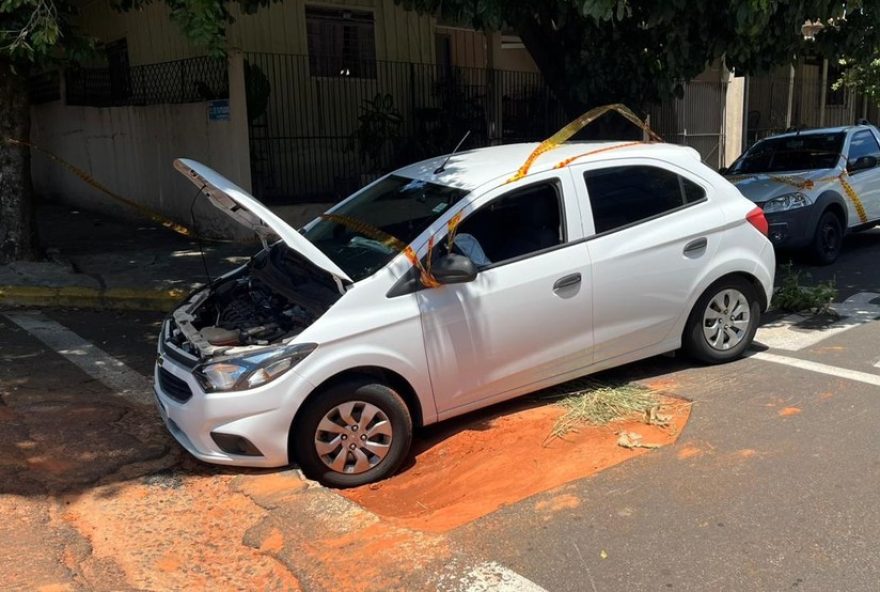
(332, 344)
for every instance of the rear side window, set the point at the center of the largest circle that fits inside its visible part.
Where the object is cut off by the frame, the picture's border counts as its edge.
(862, 144)
(620, 196)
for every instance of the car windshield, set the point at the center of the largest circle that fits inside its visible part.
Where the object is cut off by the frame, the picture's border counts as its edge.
(791, 153)
(365, 233)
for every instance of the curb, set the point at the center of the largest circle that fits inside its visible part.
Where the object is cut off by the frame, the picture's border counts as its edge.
(80, 297)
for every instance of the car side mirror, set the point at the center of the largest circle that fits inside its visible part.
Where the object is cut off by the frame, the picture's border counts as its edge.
(861, 163)
(453, 268)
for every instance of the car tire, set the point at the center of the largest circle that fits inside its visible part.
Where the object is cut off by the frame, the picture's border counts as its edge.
(369, 435)
(717, 309)
(827, 240)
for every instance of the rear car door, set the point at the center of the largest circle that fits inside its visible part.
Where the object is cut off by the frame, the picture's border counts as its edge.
(866, 182)
(527, 317)
(654, 233)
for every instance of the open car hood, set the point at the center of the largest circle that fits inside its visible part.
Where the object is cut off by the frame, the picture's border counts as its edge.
(248, 211)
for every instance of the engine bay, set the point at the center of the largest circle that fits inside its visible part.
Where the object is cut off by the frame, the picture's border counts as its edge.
(274, 297)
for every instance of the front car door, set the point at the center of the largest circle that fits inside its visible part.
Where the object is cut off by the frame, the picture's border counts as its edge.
(654, 233)
(865, 182)
(526, 319)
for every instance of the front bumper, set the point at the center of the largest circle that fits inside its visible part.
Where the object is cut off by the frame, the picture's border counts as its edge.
(792, 229)
(262, 416)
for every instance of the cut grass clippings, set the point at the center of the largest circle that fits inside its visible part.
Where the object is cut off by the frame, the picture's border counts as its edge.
(600, 404)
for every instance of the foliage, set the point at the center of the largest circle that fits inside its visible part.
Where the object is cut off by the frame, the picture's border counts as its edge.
(37, 30)
(791, 296)
(595, 403)
(378, 126)
(861, 74)
(595, 52)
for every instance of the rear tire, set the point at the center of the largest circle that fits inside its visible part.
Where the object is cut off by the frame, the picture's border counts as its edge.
(355, 432)
(723, 322)
(828, 239)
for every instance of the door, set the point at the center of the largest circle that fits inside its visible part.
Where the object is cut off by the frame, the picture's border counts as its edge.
(527, 316)
(655, 232)
(866, 182)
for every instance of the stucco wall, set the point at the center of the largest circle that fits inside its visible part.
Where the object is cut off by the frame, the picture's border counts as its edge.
(130, 150)
(280, 27)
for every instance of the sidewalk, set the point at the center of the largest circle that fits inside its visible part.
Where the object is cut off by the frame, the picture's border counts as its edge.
(95, 261)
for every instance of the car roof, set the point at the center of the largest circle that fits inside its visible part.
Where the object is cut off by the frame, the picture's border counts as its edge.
(822, 130)
(472, 168)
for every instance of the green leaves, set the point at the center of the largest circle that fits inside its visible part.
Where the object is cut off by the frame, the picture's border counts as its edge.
(639, 51)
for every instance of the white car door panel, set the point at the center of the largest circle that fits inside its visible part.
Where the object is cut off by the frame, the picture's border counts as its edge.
(518, 322)
(645, 270)
(514, 325)
(866, 182)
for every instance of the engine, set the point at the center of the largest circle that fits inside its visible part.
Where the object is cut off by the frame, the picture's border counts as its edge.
(276, 296)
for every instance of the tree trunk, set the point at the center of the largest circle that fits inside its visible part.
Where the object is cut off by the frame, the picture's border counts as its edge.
(16, 205)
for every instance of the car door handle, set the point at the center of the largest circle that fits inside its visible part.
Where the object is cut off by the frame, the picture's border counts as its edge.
(566, 281)
(696, 245)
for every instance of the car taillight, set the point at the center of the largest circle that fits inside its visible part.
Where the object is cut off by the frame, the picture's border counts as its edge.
(756, 218)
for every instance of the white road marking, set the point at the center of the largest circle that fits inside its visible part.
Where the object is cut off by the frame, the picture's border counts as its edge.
(785, 334)
(493, 577)
(94, 361)
(872, 379)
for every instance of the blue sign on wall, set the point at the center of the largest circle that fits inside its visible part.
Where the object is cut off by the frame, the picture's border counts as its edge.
(218, 110)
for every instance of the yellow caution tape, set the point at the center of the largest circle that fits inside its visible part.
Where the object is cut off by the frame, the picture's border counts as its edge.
(147, 212)
(577, 125)
(801, 183)
(367, 230)
(569, 160)
(854, 198)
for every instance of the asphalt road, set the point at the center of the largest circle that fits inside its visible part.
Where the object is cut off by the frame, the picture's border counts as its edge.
(772, 485)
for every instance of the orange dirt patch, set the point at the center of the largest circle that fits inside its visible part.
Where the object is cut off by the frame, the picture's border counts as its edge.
(789, 411)
(368, 557)
(185, 533)
(746, 453)
(470, 468)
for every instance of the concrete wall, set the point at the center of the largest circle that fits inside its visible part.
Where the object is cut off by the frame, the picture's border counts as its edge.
(280, 27)
(401, 35)
(130, 150)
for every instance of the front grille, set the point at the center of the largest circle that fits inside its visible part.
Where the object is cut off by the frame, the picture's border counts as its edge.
(174, 387)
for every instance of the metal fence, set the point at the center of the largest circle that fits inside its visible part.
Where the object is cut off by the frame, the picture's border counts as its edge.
(181, 81)
(696, 119)
(318, 137)
(794, 99)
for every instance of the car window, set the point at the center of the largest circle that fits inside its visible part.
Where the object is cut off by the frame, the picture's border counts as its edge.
(624, 195)
(357, 237)
(862, 144)
(791, 153)
(515, 224)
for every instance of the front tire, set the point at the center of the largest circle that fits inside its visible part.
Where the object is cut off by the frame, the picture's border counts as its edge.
(723, 322)
(828, 239)
(355, 432)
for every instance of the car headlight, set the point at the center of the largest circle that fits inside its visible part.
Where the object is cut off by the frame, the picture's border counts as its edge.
(789, 201)
(251, 370)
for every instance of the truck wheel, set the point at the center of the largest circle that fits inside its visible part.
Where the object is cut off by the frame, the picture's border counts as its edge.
(828, 239)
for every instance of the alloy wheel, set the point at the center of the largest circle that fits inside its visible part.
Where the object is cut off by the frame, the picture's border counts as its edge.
(726, 320)
(353, 437)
